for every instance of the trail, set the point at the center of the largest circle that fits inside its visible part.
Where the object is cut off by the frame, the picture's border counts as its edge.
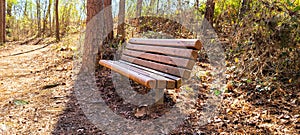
(27, 105)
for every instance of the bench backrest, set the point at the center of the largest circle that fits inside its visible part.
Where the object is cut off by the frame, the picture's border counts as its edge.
(171, 56)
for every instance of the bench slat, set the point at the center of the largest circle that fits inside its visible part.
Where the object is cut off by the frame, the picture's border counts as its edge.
(142, 79)
(175, 61)
(177, 79)
(157, 63)
(157, 66)
(162, 82)
(184, 43)
(179, 52)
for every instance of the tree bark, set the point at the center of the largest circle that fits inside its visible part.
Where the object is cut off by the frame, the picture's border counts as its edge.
(210, 9)
(50, 21)
(139, 6)
(2, 21)
(93, 8)
(108, 20)
(121, 19)
(47, 16)
(92, 43)
(56, 21)
(25, 8)
(38, 14)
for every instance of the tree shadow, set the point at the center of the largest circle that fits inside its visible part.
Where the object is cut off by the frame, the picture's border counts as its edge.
(73, 120)
(16, 54)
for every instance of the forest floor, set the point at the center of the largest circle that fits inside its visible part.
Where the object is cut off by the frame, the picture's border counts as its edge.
(37, 97)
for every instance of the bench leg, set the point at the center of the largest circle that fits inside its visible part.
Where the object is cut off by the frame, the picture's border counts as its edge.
(159, 96)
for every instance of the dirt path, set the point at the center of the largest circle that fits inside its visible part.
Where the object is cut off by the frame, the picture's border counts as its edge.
(35, 81)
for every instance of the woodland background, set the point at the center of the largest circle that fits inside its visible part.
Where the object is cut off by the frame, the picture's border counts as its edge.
(261, 39)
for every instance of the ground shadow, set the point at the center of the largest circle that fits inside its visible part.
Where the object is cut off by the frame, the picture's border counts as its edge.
(73, 120)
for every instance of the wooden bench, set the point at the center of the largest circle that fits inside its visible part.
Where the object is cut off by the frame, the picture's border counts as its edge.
(157, 63)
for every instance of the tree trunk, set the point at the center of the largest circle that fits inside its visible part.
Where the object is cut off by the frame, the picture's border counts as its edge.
(47, 16)
(108, 20)
(9, 9)
(93, 8)
(38, 14)
(2, 21)
(25, 8)
(197, 4)
(62, 20)
(180, 5)
(56, 21)
(66, 19)
(157, 7)
(152, 2)
(121, 19)
(138, 14)
(169, 5)
(244, 8)
(92, 42)
(49, 13)
(151, 7)
(210, 9)
(139, 8)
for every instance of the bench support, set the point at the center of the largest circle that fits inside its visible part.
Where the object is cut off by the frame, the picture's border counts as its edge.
(159, 96)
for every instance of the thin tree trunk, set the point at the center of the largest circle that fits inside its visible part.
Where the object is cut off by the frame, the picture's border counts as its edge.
(180, 5)
(152, 2)
(108, 20)
(197, 4)
(210, 9)
(45, 17)
(169, 5)
(151, 7)
(53, 20)
(9, 8)
(157, 7)
(63, 19)
(139, 8)
(2, 21)
(25, 9)
(138, 14)
(66, 19)
(56, 21)
(38, 14)
(49, 13)
(121, 19)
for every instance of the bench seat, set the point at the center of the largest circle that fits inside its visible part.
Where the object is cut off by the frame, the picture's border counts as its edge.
(140, 75)
(156, 63)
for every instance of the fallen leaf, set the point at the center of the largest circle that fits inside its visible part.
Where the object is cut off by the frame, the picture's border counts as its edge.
(140, 112)
(20, 102)
(236, 60)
